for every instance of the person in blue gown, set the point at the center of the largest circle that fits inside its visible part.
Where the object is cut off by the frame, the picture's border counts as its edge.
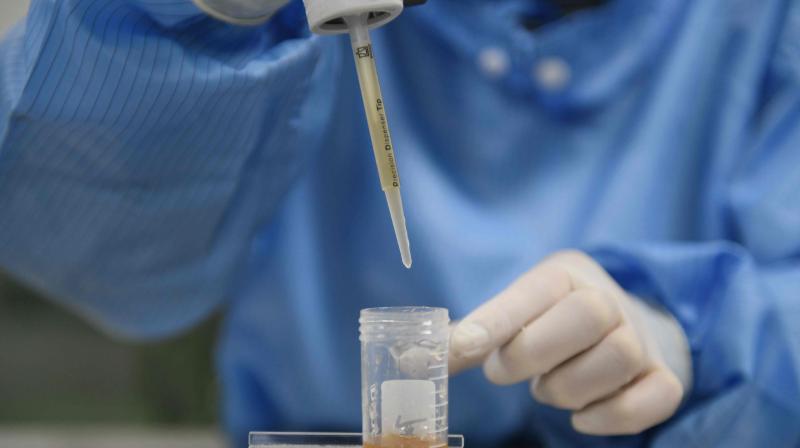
(608, 201)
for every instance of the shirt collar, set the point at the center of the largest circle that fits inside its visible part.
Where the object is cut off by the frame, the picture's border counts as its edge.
(573, 65)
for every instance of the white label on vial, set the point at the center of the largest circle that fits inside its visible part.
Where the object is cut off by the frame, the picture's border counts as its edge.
(408, 407)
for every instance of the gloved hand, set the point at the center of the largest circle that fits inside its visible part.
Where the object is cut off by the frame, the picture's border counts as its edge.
(241, 12)
(619, 364)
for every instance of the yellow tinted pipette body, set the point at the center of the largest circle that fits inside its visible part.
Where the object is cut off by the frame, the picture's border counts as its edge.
(379, 128)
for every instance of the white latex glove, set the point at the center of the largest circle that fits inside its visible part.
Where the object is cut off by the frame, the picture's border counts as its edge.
(585, 345)
(241, 12)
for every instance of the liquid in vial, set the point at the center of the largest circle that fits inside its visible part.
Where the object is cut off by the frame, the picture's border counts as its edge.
(397, 441)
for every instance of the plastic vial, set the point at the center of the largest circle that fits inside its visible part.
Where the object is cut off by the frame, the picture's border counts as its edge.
(404, 377)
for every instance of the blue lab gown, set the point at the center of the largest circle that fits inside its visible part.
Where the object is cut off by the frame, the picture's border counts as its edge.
(157, 165)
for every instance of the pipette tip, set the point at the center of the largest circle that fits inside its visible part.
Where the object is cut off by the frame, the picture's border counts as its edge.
(395, 203)
(406, 256)
(376, 119)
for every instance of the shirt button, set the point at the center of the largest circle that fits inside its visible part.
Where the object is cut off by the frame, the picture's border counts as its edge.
(552, 73)
(494, 62)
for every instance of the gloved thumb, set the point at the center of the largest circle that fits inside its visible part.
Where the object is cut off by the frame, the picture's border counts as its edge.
(469, 346)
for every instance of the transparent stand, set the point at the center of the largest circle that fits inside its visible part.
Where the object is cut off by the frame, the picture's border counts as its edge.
(320, 440)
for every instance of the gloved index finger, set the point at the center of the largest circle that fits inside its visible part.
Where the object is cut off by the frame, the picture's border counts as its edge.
(497, 321)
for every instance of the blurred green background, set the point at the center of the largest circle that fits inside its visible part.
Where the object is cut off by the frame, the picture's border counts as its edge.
(56, 368)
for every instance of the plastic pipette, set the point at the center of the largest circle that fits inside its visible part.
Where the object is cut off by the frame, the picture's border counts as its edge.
(379, 128)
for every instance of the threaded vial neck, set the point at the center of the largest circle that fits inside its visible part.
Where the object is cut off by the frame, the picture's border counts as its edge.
(392, 322)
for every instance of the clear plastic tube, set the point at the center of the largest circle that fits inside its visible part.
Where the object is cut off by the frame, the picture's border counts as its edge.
(404, 377)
